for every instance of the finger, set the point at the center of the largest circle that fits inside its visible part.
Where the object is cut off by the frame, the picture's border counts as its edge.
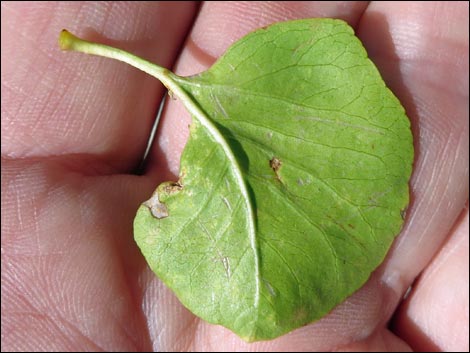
(70, 267)
(219, 25)
(423, 56)
(381, 341)
(434, 316)
(56, 103)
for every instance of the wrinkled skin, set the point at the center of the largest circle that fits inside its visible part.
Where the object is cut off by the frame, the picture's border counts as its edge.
(74, 129)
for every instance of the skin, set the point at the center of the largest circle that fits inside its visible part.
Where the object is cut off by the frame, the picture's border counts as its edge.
(74, 129)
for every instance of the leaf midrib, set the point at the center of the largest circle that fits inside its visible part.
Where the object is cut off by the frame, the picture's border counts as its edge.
(197, 113)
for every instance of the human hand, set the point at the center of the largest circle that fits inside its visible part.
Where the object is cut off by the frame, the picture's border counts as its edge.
(75, 127)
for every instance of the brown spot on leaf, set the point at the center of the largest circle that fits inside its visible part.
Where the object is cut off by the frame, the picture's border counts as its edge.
(403, 213)
(275, 164)
(171, 188)
(157, 208)
(300, 314)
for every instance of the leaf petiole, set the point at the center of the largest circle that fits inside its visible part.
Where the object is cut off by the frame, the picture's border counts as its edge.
(68, 41)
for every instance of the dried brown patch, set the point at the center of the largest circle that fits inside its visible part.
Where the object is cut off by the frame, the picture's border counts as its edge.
(275, 164)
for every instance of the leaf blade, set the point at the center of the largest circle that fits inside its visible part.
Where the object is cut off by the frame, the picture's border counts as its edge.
(303, 94)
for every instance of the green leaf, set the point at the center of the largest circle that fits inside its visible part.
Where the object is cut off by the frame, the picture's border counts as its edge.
(293, 181)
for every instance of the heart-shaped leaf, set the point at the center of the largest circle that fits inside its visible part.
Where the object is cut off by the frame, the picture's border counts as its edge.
(293, 182)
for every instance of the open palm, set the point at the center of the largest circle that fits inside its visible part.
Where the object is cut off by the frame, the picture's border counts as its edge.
(74, 128)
